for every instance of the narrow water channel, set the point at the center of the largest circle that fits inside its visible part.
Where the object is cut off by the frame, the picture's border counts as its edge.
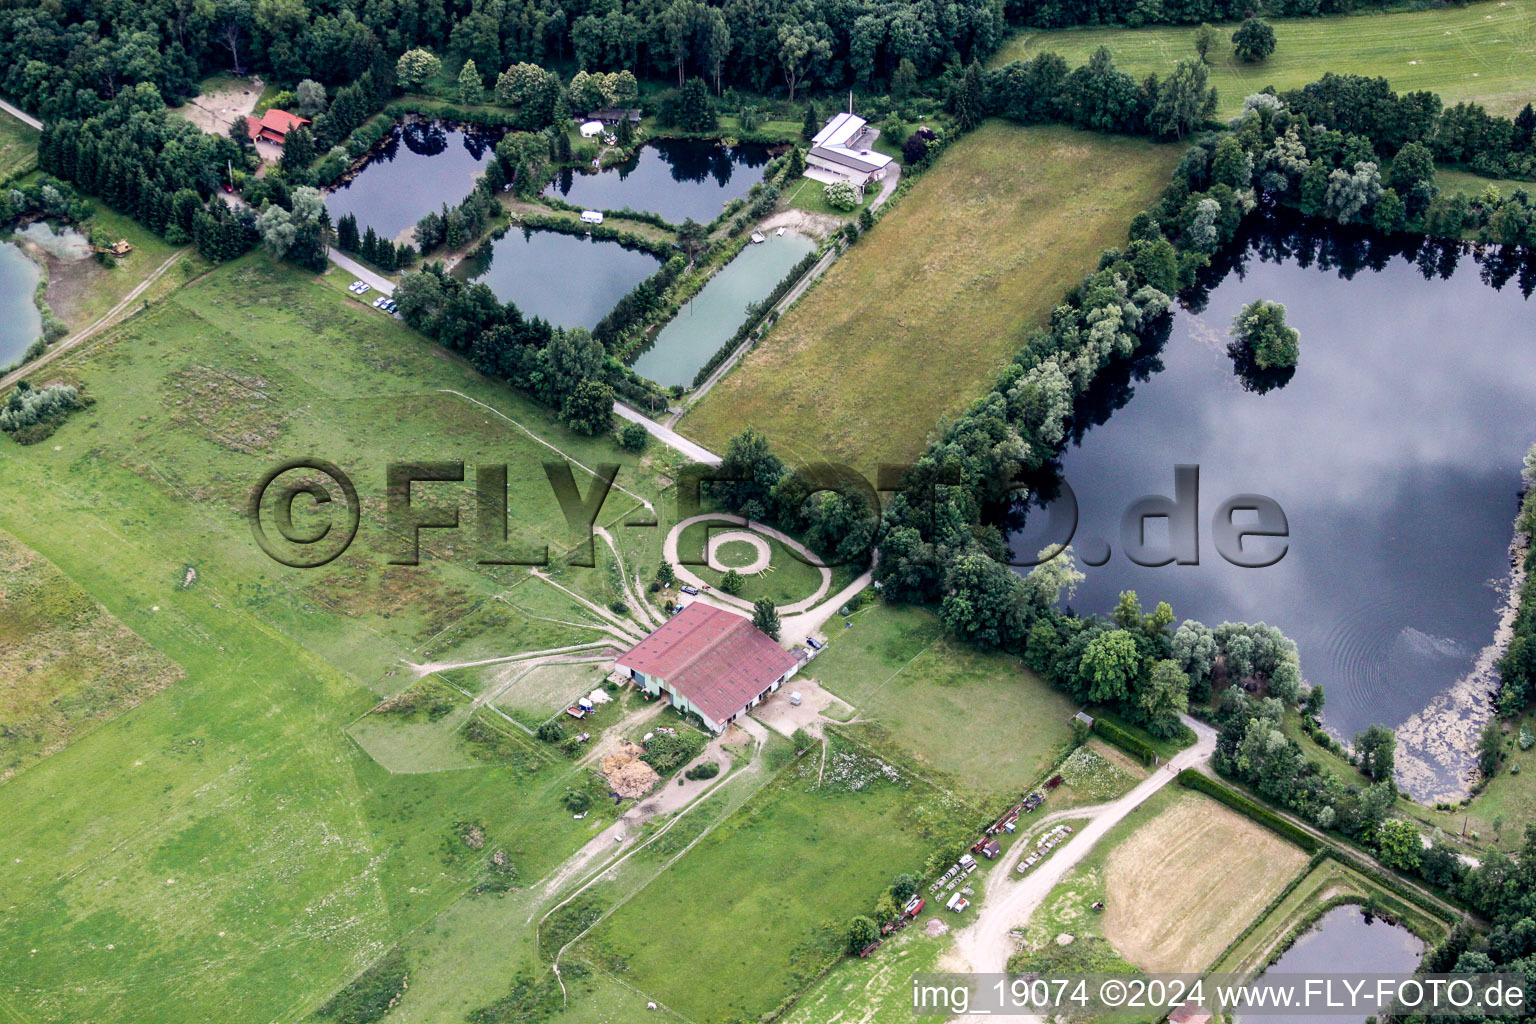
(709, 319)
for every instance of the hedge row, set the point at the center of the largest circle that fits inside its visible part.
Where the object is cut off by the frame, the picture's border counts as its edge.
(1191, 779)
(1132, 745)
(565, 225)
(1322, 854)
(627, 213)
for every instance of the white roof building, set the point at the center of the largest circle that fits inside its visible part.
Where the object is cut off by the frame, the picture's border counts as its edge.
(844, 151)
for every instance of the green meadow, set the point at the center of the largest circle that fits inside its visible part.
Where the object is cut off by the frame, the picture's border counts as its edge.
(225, 849)
(1478, 52)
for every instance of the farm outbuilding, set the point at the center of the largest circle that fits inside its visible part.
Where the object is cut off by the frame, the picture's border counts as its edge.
(844, 151)
(711, 662)
(274, 126)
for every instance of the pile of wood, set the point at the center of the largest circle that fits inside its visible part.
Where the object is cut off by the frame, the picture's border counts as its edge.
(627, 775)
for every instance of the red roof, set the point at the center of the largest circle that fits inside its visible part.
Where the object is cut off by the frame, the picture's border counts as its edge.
(716, 659)
(277, 122)
(1189, 1013)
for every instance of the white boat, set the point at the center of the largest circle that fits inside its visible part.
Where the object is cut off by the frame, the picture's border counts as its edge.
(779, 232)
(757, 238)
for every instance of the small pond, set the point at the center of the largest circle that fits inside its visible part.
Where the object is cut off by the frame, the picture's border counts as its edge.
(1394, 450)
(569, 280)
(1343, 941)
(676, 178)
(22, 323)
(418, 168)
(710, 318)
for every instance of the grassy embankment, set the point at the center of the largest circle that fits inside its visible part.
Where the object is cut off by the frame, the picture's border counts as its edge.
(915, 321)
(224, 847)
(1478, 52)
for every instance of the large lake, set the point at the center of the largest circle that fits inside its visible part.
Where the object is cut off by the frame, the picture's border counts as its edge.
(1395, 452)
(22, 323)
(569, 280)
(709, 319)
(418, 168)
(676, 178)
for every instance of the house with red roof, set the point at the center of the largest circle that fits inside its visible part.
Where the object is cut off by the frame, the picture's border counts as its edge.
(274, 126)
(709, 661)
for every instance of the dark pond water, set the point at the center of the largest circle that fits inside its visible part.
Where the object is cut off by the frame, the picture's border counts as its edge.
(1394, 450)
(676, 178)
(569, 280)
(1343, 942)
(418, 168)
(22, 324)
(709, 319)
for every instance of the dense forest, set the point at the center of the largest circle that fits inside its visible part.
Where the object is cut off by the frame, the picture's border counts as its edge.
(67, 59)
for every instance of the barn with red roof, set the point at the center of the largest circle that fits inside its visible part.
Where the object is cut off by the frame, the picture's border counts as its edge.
(274, 126)
(709, 661)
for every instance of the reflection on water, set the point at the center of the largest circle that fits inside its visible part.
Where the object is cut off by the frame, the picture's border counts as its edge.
(709, 319)
(1344, 941)
(22, 324)
(676, 178)
(60, 241)
(1395, 451)
(417, 169)
(569, 280)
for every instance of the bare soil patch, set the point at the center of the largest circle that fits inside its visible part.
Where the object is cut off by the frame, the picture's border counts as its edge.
(216, 109)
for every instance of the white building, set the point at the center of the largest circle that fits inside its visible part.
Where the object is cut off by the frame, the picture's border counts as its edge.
(844, 151)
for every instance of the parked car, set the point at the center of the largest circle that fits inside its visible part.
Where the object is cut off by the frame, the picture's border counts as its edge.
(359, 287)
(378, 303)
(813, 643)
(693, 591)
(389, 306)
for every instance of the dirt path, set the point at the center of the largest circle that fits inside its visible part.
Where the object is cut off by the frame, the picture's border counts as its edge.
(1007, 904)
(21, 115)
(667, 436)
(666, 799)
(648, 616)
(112, 316)
(613, 735)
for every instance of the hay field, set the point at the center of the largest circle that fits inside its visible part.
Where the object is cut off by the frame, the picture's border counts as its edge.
(915, 321)
(1180, 888)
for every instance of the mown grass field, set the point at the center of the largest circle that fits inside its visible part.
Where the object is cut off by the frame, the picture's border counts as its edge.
(1186, 883)
(1480, 52)
(18, 145)
(983, 719)
(1181, 878)
(225, 849)
(915, 321)
(757, 909)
